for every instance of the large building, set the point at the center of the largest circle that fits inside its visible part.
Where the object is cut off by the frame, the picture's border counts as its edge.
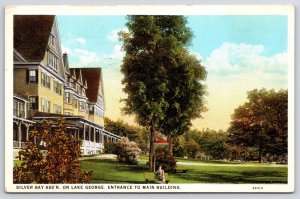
(47, 87)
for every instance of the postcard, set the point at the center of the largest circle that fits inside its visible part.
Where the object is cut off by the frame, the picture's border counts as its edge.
(160, 98)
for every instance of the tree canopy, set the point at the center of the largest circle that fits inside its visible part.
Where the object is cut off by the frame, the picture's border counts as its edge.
(262, 122)
(162, 79)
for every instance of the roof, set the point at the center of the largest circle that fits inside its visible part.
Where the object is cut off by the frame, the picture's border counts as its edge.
(160, 141)
(46, 114)
(93, 78)
(31, 34)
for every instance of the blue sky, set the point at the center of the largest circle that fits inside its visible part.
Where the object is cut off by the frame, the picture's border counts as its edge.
(240, 53)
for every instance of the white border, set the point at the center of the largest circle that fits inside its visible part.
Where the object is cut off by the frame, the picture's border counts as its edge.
(287, 10)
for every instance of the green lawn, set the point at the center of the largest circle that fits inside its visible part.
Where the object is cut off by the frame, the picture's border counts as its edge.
(110, 171)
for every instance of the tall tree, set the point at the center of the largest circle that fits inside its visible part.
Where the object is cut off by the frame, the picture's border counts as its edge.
(185, 96)
(155, 49)
(262, 122)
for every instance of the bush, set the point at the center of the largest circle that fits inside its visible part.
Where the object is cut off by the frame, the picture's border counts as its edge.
(110, 147)
(127, 151)
(164, 159)
(56, 161)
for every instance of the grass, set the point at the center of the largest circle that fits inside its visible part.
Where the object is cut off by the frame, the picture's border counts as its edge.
(110, 171)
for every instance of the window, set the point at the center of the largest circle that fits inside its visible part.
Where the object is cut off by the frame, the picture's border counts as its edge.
(99, 113)
(32, 76)
(100, 101)
(57, 109)
(15, 108)
(43, 81)
(67, 99)
(52, 60)
(75, 102)
(33, 102)
(21, 109)
(43, 104)
(57, 87)
(81, 106)
(48, 82)
(52, 39)
(91, 109)
(47, 106)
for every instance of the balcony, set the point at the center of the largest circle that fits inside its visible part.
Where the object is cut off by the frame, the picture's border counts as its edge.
(17, 144)
(19, 113)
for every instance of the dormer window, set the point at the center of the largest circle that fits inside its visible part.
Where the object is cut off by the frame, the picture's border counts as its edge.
(52, 39)
(52, 60)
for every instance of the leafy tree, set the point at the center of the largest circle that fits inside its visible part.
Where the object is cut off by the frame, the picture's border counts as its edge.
(132, 132)
(56, 161)
(261, 122)
(155, 48)
(185, 96)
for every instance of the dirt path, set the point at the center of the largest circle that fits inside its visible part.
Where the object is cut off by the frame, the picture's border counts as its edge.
(111, 156)
(102, 156)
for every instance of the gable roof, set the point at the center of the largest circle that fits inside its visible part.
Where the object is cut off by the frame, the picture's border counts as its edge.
(93, 78)
(31, 34)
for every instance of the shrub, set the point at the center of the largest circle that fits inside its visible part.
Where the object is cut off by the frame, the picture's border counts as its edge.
(127, 151)
(110, 147)
(164, 159)
(56, 161)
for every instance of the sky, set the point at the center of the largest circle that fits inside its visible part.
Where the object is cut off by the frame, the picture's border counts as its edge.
(240, 53)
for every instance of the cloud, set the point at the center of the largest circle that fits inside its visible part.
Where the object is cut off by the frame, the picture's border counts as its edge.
(81, 40)
(117, 53)
(230, 59)
(197, 54)
(234, 69)
(85, 58)
(66, 50)
(113, 35)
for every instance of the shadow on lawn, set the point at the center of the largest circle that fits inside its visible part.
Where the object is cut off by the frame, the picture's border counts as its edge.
(121, 166)
(251, 177)
(117, 181)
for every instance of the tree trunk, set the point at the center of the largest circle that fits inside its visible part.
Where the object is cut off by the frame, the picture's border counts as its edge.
(152, 149)
(259, 152)
(170, 144)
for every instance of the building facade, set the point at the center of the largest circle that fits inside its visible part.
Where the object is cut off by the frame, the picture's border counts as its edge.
(46, 87)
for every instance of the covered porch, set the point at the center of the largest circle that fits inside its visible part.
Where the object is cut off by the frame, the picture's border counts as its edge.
(93, 136)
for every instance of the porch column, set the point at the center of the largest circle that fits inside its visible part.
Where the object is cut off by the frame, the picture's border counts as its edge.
(94, 139)
(83, 139)
(89, 135)
(19, 134)
(27, 132)
(83, 131)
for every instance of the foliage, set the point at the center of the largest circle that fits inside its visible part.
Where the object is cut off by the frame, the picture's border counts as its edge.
(60, 165)
(261, 123)
(110, 147)
(164, 159)
(134, 133)
(156, 47)
(127, 151)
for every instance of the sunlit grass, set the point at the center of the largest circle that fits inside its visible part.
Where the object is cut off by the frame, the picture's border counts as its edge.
(110, 171)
